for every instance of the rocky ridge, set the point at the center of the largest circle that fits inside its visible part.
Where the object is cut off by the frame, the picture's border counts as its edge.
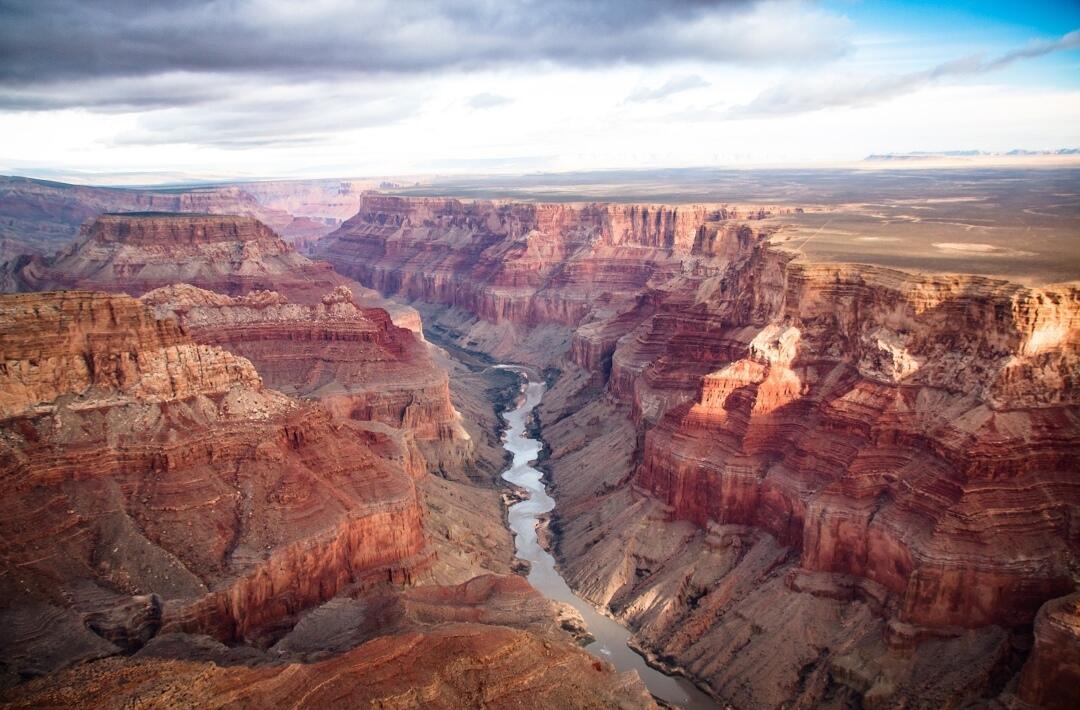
(140, 465)
(41, 217)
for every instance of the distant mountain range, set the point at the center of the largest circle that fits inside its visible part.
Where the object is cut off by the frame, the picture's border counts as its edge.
(927, 155)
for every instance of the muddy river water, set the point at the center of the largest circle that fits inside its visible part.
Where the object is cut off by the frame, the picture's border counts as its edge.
(611, 637)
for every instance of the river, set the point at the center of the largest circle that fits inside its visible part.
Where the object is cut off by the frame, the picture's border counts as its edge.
(611, 637)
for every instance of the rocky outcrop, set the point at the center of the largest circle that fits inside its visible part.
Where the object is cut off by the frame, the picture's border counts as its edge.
(523, 265)
(137, 252)
(40, 217)
(1050, 676)
(141, 251)
(354, 359)
(882, 450)
(450, 666)
(915, 432)
(136, 462)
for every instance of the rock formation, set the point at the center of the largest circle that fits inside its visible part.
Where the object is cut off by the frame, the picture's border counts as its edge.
(244, 546)
(521, 267)
(137, 462)
(141, 251)
(316, 334)
(481, 644)
(41, 217)
(1051, 676)
(354, 359)
(799, 482)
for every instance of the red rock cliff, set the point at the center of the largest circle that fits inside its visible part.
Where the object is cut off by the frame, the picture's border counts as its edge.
(522, 263)
(354, 359)
(918, 432)
(140, 251)
(136, 462)
(911, 437)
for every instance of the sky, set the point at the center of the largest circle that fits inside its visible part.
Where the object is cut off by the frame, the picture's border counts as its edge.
(133, 91)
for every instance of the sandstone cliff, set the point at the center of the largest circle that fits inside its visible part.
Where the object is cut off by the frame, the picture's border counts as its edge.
(737, 433)
(520, 267)
(40, 217)
(138, 465)
(354, 359)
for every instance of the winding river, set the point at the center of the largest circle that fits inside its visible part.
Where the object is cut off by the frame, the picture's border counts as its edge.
(611, 637)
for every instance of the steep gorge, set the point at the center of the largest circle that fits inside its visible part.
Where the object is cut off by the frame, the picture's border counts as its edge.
(801, 483)
(165, 503)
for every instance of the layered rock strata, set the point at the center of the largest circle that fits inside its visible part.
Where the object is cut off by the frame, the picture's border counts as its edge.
(139, 465)
(480, 644)
(354, 359)
(884, 451)
(40, 217)
(522, 265)
(140, 251)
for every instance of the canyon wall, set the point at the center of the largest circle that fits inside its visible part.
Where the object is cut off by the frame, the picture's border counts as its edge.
(354, 359)
(176, 532)
(40, 216)
(520, 267)
(316, 334)
(137, 462)
(138, 252)
(872, 447)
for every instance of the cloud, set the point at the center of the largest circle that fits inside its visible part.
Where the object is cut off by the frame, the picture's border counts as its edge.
(249, 73)
(670, 87)
(53, 43)
(810, 94)
(286, 116)
(110, 94)
(485, 100)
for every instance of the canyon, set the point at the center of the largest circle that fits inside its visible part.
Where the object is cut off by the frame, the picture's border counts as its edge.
(239, 474)
(249, 485)
(799, 482)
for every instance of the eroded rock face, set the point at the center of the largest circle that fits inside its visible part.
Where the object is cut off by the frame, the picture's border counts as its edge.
(140, 251)
(919, 433)
(136, 462)
(524, 265)
(41, 216)
(354, 359)
(886, 452)
(452, 666)
(1051, 675)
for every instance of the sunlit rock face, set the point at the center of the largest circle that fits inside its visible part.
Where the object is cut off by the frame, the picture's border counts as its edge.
(140, 465)
(919, 433)
(901, 446)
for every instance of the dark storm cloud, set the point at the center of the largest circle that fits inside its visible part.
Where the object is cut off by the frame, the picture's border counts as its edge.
(57, 42)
